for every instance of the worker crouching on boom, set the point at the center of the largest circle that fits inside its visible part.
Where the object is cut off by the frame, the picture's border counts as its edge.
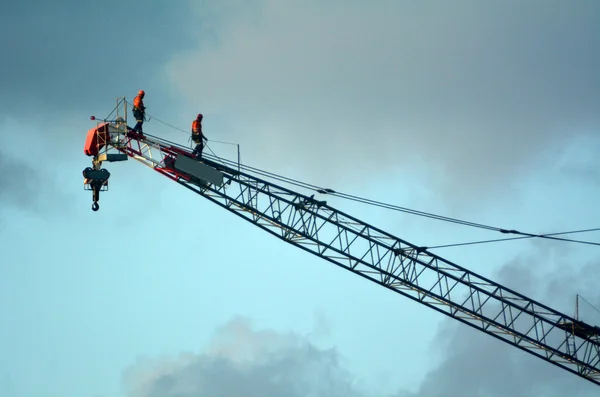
(197, 136)
(139, 111)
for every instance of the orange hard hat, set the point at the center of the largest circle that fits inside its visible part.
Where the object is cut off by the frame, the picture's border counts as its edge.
(141, 92)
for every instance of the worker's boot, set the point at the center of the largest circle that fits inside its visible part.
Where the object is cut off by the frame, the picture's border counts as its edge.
(138, 128)
(197, 152)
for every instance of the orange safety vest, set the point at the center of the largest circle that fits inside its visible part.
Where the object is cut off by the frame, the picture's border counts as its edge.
(138, 103)
(196, 127)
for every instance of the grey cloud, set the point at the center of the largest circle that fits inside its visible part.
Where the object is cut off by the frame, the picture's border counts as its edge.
(472, 91)
(241, 360)
(69, 54)
(244, 361)
(578, 157)
(19, 182)
(30, 175)
(32, 188)
(474, 364)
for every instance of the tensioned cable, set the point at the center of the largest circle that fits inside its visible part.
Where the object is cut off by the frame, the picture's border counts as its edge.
(111, 113)
(429, 215)
(466, 223)
(433, 216)
(386, 205)
(515, 238)
(421, 213)
(593, 307)
(253, 169)
(179, 129)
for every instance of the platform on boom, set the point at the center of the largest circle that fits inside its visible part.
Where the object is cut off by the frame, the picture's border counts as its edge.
(198, 170)
(110, 157)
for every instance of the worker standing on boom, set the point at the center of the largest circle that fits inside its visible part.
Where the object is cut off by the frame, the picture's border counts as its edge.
(197, 136)
(139, 111)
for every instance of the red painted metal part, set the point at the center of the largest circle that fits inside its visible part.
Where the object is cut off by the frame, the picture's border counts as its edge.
(169, 154)
(91, 147)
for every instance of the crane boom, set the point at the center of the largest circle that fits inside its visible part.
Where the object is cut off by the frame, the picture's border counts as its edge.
(382, 258)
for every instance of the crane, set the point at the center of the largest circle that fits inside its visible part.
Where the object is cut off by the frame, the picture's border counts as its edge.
(315, 227)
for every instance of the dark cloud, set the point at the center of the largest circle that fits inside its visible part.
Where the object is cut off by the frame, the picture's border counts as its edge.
(244, 361)
(31, 178)
(69, 54)
(474, 364)
(469, 94)
(19, 182)
(34, 188)
(241, 360)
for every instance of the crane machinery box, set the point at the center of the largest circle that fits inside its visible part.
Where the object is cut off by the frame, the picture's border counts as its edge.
(103, 133)
(198, 170)
(91, 147)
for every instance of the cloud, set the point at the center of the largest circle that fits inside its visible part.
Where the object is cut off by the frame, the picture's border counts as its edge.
(72, 55)
(468, 94)
(19, 182)
(34, 189)
(34, 177)
(244, 361)
(579, 161)
(474, 364)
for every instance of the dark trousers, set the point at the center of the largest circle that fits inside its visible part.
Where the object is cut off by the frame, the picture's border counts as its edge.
(139, 117)
(199, 145)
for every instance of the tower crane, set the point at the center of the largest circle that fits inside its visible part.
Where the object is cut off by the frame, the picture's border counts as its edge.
(315, 227)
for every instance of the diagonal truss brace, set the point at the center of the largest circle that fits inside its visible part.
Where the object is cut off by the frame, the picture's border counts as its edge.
(390, 262)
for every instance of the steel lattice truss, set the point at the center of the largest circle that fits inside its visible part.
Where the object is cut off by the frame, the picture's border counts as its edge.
(391, 262)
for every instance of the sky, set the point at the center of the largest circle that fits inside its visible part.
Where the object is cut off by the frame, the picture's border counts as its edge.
(483, 111)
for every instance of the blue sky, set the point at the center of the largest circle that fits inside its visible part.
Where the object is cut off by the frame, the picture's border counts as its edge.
(485, 112)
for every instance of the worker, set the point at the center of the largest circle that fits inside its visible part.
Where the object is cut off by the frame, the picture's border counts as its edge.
(139, 111)
(197, 136)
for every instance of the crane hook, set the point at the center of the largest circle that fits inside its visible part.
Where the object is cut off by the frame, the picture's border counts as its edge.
(95, 206)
